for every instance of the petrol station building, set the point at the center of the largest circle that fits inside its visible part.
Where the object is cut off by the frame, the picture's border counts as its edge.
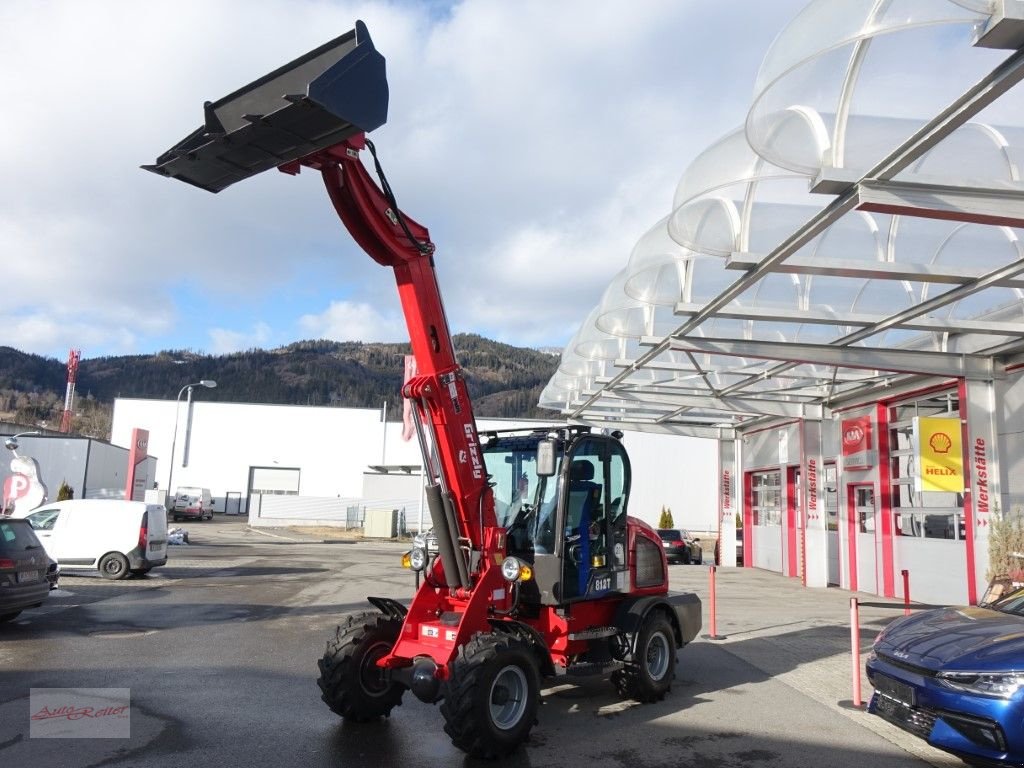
(835, 296)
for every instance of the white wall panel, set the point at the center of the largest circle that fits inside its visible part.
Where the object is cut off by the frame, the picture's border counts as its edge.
(938, 570)
(334, 447)
(767, 545)
(677, 472)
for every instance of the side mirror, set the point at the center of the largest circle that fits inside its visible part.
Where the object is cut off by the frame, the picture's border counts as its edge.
(696, 541)
(546, 458)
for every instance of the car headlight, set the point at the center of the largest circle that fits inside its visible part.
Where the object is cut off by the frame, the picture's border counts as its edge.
(1000, 685)
(514, 569)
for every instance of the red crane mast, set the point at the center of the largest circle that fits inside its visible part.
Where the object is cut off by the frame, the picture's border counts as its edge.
(69, 396)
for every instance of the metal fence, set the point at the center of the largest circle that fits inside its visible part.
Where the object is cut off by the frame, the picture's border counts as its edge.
(277, 510)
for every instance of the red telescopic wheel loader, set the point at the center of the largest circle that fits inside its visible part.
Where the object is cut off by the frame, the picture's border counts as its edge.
(535, 568)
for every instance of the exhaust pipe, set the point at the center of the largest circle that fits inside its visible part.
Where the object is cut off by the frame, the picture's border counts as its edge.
(315, 102)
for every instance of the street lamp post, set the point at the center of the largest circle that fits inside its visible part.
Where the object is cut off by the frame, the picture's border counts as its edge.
(209, 384)
(11, 443)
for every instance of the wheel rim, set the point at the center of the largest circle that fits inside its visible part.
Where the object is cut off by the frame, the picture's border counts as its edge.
(372, 679)
(508, 699)
(657, 657)
(113, 566)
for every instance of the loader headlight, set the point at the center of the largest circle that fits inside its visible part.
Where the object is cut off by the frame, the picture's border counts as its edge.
(415, 559)
(514, 569)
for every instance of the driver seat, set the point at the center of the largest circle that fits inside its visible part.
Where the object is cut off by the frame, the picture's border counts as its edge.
(584, 499)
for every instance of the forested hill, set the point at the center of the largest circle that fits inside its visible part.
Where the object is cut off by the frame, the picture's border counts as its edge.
(504, 381)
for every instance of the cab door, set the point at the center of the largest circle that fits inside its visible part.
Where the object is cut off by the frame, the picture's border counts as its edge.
(595, 498)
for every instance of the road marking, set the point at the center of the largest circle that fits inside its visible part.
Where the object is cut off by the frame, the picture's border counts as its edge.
(274, 535)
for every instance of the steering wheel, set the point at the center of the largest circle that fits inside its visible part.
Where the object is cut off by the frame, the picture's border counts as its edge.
(525, 510)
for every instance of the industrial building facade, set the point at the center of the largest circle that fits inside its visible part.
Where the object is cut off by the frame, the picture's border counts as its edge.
(93, 469)
(899, 490)
(289, 464)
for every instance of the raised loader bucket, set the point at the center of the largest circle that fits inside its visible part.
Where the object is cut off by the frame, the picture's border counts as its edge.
(318, 100)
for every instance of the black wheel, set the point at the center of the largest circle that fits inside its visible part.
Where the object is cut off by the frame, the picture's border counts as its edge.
(491, 695)
(700, 557)
(5, 617)
(114, 565)
(649, 677)
(685, 559)
(176, 518)
(350, 681)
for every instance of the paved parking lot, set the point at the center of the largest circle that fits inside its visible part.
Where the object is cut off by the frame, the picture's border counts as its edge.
(219, 651)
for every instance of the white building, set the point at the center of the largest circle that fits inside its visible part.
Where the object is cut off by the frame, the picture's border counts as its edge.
(314, 464)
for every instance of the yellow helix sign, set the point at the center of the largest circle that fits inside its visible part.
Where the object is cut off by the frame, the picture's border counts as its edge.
(940, 454)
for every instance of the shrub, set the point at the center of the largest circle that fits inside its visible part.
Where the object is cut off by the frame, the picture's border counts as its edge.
(65, 491)
(1005, 542)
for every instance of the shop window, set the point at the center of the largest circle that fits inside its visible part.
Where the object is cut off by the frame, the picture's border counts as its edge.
(766, 498)
(831, 498)
(864, 501)
(922, 514)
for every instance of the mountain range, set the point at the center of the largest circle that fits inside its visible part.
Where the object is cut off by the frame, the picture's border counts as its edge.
(503, 380)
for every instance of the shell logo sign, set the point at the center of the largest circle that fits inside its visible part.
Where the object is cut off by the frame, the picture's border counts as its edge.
(940, 458)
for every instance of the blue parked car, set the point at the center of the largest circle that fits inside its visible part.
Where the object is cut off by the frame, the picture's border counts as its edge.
(955, 677)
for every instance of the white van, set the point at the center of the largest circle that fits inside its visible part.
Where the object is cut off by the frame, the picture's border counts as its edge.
(195, 503)
(117, 537)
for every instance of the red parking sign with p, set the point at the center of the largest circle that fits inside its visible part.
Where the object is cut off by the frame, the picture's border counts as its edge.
(15, 487)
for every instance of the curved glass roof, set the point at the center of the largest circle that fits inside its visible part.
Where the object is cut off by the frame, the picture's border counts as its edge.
(832, 243)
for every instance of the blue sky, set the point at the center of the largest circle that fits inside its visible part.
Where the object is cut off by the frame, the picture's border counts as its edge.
(537, 140)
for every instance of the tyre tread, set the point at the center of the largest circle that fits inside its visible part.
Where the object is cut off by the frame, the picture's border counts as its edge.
(632, 681)
(336, 667)
(464, 722)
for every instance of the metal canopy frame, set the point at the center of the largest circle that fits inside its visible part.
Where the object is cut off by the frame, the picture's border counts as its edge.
(739, 382)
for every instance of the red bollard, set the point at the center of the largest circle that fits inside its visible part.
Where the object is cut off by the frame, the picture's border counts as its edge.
(855, 650)
(712, 608)
(906, 592)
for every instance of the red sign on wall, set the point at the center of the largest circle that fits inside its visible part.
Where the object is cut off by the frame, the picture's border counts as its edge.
(135, 485)
(857, 442)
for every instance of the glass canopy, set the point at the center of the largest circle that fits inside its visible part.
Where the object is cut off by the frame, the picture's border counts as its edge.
(862, 225)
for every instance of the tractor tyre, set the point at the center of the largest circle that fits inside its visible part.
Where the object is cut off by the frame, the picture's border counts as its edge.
(351, 683)
(491, 695)
(649, 677)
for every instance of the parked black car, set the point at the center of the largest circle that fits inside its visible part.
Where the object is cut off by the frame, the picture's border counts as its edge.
(681, 546)
(24, 569)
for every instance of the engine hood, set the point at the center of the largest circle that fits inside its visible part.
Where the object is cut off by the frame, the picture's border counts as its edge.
(971, 638)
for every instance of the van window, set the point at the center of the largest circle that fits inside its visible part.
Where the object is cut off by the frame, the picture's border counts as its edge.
(44, 520)
(16, 535)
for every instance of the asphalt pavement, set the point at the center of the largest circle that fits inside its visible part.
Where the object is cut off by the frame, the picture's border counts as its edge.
(219, 652)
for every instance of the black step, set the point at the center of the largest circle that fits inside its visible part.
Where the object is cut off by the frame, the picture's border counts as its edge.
(594, 633)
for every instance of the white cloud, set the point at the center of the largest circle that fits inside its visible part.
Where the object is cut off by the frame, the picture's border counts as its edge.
(351, 321)
(536, 140)
(223, 341)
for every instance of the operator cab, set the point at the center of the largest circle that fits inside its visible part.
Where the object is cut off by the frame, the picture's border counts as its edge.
(566, 516)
